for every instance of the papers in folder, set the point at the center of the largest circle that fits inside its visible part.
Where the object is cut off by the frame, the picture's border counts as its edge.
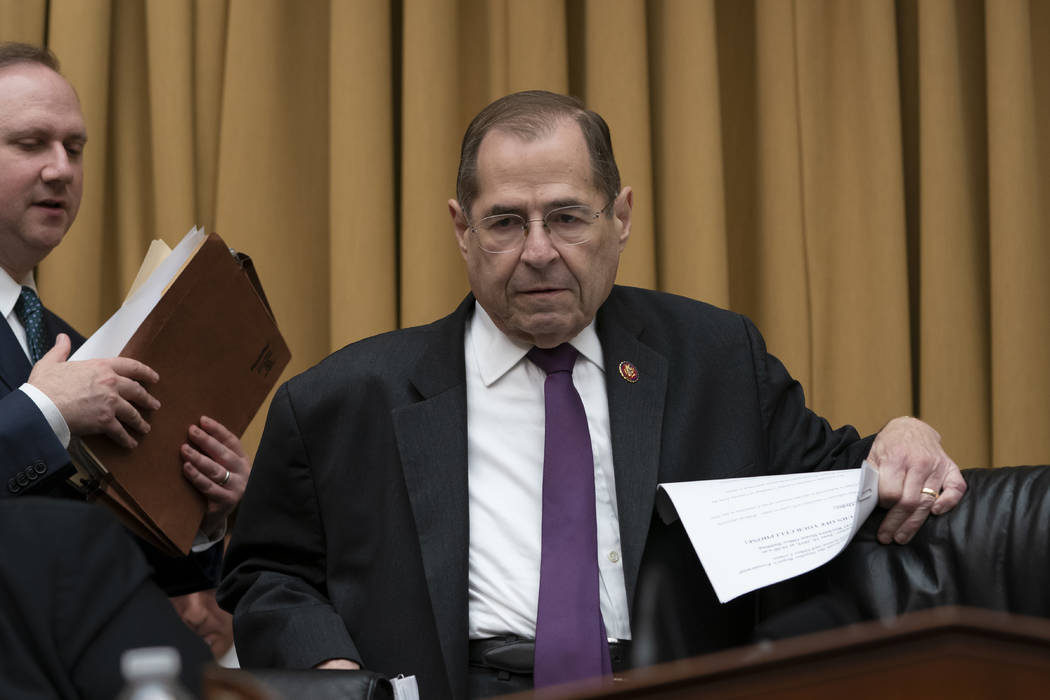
(755, 531)
(199, 318)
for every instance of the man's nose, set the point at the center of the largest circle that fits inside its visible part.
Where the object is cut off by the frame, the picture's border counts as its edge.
(193, 610)
(539, 246)
(59, 167)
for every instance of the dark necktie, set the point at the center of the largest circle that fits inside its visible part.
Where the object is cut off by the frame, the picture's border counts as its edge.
(31, 313)
(570, 635)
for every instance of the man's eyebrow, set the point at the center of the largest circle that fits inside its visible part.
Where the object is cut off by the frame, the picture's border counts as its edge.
(36, 132)
(26, 132)
(559, 203)
(498, 208)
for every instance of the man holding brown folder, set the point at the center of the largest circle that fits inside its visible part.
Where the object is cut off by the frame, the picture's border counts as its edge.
(44, 399)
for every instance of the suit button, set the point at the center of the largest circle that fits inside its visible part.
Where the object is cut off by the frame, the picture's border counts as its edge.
(21, 479)
(30, 474)
(39, 467)
(12, 486)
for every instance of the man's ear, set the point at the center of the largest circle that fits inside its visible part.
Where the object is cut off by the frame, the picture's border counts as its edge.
(459, 223)
(622, 206)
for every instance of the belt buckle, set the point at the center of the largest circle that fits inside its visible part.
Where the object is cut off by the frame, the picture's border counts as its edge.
(516, 656)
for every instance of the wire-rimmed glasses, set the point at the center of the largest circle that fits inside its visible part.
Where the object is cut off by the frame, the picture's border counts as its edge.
(505, 233)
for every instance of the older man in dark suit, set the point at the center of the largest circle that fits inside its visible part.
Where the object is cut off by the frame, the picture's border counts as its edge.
(470, 501)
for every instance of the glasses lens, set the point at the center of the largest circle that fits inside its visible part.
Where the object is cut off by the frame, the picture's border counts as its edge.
(570, 224)
(501, 232)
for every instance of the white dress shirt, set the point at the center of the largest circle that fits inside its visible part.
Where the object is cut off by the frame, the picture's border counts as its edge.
(10, 290)
(505, 434)
(229, 659)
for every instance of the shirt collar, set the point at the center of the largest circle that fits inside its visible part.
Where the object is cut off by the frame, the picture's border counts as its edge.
(497, 352)
(10, 290)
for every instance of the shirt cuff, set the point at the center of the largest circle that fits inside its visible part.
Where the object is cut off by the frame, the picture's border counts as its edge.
(202, 542)
(50, 410)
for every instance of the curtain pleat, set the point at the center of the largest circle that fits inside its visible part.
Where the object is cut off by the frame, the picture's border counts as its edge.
(84, 268)
(1019, 187)
(432, 279)
(23, 20)
(272, 196)
(853, 210)
(952, 233)
(691, 242)
(616, 85)
(362, 247)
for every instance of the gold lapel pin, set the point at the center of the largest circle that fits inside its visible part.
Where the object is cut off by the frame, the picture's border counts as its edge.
(628, 372)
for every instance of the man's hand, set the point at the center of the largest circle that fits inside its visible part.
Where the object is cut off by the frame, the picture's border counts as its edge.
(339, 664)
(911, 464)
(216, 465)
(97, 396)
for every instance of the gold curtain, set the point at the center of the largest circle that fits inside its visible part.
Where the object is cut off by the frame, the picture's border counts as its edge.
(866, 180)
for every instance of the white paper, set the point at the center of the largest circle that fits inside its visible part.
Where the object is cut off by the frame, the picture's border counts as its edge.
(110, 339)
(405, 688)
(755, 531)
(158, 250)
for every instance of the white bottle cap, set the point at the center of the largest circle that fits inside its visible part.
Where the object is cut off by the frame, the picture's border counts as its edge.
(150, 662)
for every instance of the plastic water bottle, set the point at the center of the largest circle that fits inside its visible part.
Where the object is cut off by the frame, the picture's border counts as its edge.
(152, 673)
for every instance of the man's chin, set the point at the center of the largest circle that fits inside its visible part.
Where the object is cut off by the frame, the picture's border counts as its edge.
(550, 330)
(46, 238)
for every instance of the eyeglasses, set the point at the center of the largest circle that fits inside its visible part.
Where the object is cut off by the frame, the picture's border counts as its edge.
(505, 233)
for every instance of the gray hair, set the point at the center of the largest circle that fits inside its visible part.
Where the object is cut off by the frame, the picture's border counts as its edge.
(530, 115)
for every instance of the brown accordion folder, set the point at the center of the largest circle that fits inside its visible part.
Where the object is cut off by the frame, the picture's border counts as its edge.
(214, 342)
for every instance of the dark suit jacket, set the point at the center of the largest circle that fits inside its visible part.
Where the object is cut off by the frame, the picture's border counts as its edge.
(34, 462)
(352, 536)
(76, 594)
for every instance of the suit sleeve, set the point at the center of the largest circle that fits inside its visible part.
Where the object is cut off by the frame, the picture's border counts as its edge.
(275, 570)
(28, 446)
(111, 604)
(796, 437)
(77, 593)
(31, 457)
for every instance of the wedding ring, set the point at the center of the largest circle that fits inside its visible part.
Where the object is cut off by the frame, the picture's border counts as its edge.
(227, 478)
(926, 490)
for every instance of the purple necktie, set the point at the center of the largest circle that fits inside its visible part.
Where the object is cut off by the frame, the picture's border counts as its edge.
(570, 635)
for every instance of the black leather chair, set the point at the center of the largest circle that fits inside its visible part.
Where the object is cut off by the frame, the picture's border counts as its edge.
(991, 551)
(282, 684)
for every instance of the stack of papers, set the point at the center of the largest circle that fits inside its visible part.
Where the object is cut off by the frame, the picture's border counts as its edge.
(756, 531)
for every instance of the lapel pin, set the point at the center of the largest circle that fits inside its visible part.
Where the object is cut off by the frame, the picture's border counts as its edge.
(628, 371)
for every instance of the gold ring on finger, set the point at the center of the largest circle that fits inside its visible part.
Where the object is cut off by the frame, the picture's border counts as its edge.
(927, 490)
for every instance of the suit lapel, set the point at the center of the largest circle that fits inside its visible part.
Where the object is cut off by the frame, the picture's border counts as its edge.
(53, 325)
(14, 365)
(636, 419)
(432, 439)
